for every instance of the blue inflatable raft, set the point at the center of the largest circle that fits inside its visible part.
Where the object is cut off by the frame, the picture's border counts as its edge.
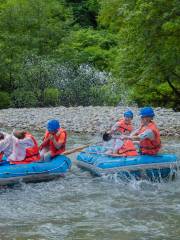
(34, 172)
(140, 167)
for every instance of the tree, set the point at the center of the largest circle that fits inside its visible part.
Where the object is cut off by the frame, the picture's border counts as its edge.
(85, 12)
(147, 61)
(88, 46)
(29, 27)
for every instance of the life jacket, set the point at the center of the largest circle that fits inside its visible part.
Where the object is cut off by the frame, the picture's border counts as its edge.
(148, 146)
(58, 137)
(32, 153)
(128, 149)
(1, 156)
(124, 127)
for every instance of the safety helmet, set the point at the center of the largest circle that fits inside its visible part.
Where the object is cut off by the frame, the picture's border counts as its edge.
(53, 125)
(147, 112)
(128, 114)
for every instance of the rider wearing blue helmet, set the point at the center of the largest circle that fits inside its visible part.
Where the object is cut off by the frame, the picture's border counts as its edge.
(148, 134)
(53, 125)
(146, 112)
(54, 142)
(124, 125)
(128, 114)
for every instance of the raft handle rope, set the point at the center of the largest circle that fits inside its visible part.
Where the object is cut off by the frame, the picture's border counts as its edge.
(29, 173)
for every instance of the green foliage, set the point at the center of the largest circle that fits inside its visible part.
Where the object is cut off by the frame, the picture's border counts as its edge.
(89, 46)
(36, 72)
(85, 12)
(51, 97)
(5, 100)
(148, 52)
(77, 83)
(22, 98)
(29, 27)
(67, 45)
(107, 94)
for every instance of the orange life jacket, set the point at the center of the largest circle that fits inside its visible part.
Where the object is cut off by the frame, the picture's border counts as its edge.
(148, 146)
(32, 153)
(1, 156)
(128, 149)
(124, 127)
(59, 136)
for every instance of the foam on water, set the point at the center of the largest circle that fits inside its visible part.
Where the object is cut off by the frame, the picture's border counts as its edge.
(80, 206)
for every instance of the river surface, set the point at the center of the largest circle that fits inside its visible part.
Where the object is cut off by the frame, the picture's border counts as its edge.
(80, 206)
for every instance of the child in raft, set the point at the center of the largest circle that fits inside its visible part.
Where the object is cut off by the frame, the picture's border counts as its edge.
(124, 125)
(120, 146)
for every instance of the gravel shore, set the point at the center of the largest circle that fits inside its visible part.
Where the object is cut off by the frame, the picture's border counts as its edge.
(85, 119)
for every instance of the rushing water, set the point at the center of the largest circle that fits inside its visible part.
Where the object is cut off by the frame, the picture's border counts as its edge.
(80, 206)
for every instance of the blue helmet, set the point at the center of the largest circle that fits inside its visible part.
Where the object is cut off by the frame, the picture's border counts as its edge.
(128, 114)
(147, 112)
(53, 125)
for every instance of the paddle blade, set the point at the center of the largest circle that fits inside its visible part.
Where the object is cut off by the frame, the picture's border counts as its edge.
(107, 137)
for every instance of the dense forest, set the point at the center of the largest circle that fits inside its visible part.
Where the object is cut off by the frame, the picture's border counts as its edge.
(89, 52)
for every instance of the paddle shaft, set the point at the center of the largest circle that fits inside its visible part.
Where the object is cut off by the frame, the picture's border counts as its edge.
(78, 149)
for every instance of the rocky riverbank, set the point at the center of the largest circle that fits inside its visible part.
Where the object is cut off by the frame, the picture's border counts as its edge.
(84, 119)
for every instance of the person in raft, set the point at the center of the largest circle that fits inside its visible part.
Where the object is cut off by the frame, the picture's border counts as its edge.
(148, 134)
(6, 145)
(122, 147)
(25, 148)
(20, 147)
(124, 125)
(54, 142)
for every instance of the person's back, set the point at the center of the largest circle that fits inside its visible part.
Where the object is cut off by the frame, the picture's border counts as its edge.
(6, 144)
(25, 148)
(32, 152)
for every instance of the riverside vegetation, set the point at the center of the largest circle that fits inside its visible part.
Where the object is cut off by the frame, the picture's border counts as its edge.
(89, 52)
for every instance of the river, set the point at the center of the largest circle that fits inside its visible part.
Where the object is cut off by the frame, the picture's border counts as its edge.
(80, 206)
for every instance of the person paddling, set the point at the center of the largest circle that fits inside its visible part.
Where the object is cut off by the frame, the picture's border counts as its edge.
(148, 134)
(124, 125)
(54, 142)
(122, 147)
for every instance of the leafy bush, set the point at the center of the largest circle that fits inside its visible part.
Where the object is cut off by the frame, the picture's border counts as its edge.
(22, 98)
(104, 95)
(5, 100)
(51, 97)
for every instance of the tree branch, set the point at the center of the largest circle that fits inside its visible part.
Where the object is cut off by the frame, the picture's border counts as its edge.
(172, 86)
(175, 74)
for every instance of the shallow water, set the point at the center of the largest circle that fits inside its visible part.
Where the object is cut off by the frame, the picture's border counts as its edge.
(80, 206)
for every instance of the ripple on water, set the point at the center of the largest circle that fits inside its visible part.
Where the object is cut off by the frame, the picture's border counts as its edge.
(80, 206)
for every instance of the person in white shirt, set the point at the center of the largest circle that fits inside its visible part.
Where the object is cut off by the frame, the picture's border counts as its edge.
(13, 146)
(20, 144)
(6, 144)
